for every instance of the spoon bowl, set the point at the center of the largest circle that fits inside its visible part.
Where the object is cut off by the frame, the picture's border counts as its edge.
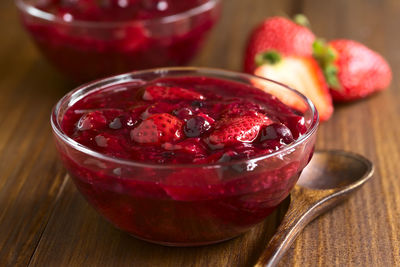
(334, 170)
(328, 179)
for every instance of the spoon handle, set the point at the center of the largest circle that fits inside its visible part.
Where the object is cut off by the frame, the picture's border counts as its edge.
(302, 210)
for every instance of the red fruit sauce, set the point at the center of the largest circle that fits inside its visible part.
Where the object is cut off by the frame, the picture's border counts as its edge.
(184, 205)
(88, 39)
(109, 121)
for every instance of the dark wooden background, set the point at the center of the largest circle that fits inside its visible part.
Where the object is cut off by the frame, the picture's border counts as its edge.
(45, 222)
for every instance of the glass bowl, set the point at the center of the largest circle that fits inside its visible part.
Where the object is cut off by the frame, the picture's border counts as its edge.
(142, 199)
(86, 50)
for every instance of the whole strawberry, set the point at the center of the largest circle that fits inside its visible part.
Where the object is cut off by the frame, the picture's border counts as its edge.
(352, 70)
(279, 34)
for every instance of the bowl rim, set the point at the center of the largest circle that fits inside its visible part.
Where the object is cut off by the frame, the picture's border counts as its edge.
(130, 76)
(47, 16)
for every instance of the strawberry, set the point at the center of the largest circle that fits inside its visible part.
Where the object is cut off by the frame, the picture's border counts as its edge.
(236, 130)
(158, 129)
(92, 120)
(299, 72)
(352, 70)
(97, 119)
(155, 92)
(280, 34)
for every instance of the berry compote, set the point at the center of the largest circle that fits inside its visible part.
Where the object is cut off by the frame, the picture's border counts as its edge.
(88, 39)
(184, 160)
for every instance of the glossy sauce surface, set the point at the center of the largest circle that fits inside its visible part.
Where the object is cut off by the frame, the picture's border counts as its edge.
(182, 120)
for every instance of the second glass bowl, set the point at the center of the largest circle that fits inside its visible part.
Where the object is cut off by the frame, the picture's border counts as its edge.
(86, 50)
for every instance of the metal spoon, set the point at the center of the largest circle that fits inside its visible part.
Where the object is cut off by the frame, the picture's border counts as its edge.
(328, 179)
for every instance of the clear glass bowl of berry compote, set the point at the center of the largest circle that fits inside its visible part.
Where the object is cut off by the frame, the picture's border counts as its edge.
(184, 156)
(89, 39)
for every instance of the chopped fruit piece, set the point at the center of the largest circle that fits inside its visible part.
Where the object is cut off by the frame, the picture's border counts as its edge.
(280, 34)
(92, 120)
(156, 92)
(276, 131)
(101, 141)
(352, 70)
(235, 130)
(158, 129)
(109, 141)
(300, 73)
(196, 126)
(115, 124)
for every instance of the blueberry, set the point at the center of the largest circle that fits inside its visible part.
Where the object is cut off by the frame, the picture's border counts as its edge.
(197, 104)
(297, 123)
(196, 126)
(276, 131)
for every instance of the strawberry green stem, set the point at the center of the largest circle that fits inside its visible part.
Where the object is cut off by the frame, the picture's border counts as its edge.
(302, 20)
(269, 57)
(326, 56)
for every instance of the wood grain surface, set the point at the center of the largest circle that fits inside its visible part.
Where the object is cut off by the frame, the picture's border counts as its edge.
(45, 222)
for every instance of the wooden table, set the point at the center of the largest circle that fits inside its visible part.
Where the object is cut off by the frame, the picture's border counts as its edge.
(45, 222)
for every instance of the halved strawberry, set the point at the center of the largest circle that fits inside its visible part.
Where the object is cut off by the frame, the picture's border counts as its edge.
(235, 130)
(280, 34)
(155, 92)
(158, 129)
(92, 120)
(351, 69)
(298, 72)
